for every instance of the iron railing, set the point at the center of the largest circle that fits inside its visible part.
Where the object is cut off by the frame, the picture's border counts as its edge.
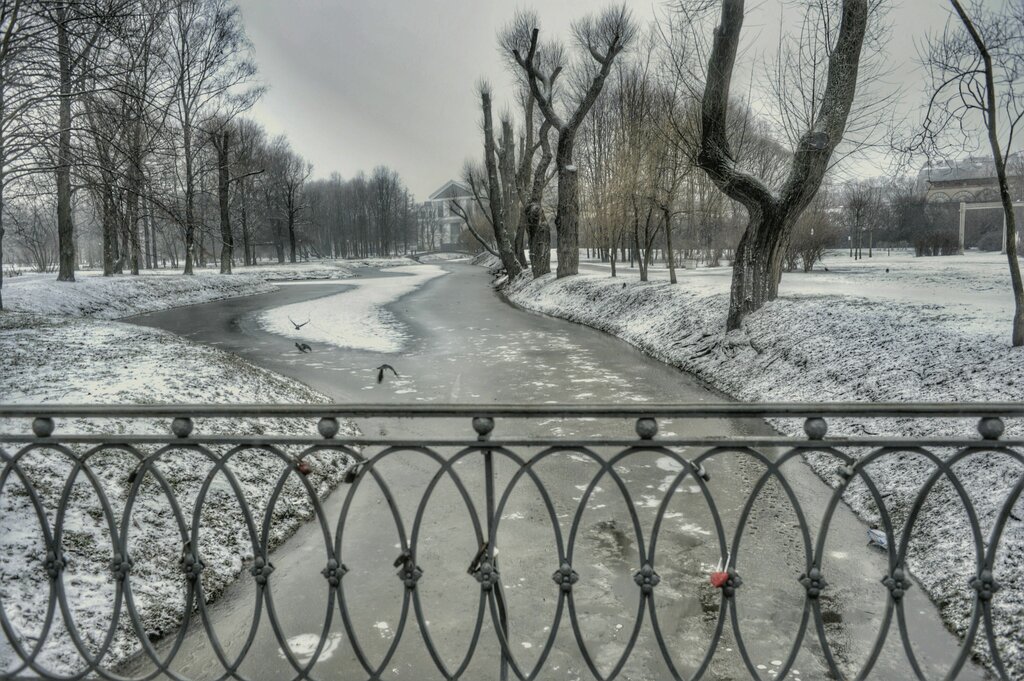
(73, 500)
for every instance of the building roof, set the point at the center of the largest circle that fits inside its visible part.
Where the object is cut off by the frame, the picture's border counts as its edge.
(452, 189)
(965, 169)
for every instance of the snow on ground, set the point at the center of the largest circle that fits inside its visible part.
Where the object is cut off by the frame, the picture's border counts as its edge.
(51, 358)
(928, 329)
(46, 360)
(442, 257)
(94, 295)
(394, 261)
(355, 318)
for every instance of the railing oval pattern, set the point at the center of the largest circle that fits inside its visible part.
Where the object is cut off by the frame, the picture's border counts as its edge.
(100, 654)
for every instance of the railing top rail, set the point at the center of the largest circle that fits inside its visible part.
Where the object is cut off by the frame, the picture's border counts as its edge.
(693, 410)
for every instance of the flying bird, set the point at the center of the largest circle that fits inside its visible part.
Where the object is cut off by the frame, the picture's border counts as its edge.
(303, 347)
(298, 327)
(382, 368)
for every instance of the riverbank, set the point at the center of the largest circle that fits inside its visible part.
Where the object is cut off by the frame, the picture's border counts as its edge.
(898, 330)
(93, 295)
(65, 351)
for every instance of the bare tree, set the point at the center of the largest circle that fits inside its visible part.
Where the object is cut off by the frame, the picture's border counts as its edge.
(757, 266)
(863, 213)
(212, 70)
(20, 92)
(815, 231)
(602, 38)
(77, 27)
(977, 70)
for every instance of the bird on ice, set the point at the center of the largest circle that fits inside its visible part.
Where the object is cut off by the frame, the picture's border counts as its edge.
(877, 538)
(303, 347)
(382, 368)
(298, 327)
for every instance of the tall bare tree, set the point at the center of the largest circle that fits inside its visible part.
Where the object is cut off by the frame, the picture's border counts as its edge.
(602, 38)
(757, 266)
(77, 27)
(213, 73)
(977, 74)
(20, 92)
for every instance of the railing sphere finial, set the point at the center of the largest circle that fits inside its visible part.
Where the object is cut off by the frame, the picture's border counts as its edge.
(327, 427)
(181, 426)
(646, 428)
(990, 427)
(483, 425)
(42, 426)
(815, 427)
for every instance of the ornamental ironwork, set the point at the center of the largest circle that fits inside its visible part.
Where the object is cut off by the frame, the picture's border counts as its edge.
(60, 482)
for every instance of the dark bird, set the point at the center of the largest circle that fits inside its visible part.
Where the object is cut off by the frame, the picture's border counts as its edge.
(887, 270)
(298, 327)
(382, 368)
(303, 347)
(826, 269)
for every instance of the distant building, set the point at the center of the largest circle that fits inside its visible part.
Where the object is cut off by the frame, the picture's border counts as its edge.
(442, 227)
(971, 179)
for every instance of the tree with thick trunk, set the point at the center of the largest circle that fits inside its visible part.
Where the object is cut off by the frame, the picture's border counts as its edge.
(603, 38)
(495, 193)
(537, 228)
(757, 264)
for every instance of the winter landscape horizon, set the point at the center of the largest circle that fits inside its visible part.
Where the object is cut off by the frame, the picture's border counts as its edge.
(462, 340)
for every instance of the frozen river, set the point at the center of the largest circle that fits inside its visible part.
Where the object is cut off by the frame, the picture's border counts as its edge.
(452, 339)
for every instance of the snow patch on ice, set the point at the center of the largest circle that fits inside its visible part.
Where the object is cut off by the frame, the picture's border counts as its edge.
(355, 318)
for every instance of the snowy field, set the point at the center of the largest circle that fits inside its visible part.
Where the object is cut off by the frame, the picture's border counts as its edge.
(355, 318)
(928, 329)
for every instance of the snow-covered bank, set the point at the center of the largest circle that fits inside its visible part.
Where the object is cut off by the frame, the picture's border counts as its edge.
(93, 295)
(443, 257)
(355, 318)
(67, 360)
(856, 332)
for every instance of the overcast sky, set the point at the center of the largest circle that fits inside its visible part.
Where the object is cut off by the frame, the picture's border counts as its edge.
(357, 83)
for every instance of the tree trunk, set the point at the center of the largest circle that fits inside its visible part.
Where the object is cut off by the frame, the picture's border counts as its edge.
(279, 241)
(65, 226)
(109, 231)
(668, 246)
(540, 240)
(134, 192)
(190, 218)
(498, 207)
(147, 240)
(227, 239)
(568, 213)
(291, 236)
(757, 266)
(247, 255)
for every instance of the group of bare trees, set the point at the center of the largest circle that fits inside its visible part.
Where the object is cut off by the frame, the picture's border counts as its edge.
(649, 146)
(367, 215)
(124, 144)
(657, 156)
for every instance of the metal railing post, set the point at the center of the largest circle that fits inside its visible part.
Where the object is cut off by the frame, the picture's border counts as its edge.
(483, 426)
